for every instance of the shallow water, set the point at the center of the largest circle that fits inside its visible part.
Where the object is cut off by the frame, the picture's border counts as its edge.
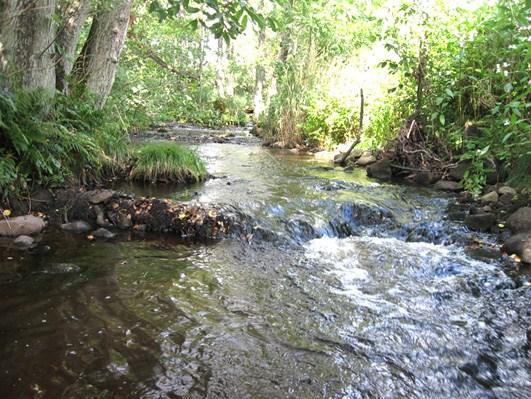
(348, 289)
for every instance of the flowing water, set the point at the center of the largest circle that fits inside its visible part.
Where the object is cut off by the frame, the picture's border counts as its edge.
(347, 289)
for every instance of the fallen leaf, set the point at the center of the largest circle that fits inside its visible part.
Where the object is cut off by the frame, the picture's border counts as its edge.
(516, 258)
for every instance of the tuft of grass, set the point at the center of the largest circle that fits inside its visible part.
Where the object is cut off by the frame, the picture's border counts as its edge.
(166, 162)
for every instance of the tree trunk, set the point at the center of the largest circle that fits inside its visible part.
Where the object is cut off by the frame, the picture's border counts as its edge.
(220, 68)
(96, 66)
(28, 33)
(260, 75)
(74, 15)
(7, 35)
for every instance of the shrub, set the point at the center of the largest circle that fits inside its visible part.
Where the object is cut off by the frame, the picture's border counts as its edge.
(164, 161)
(329, 122)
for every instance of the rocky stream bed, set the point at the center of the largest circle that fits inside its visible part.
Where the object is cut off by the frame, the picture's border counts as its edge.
(281, 277)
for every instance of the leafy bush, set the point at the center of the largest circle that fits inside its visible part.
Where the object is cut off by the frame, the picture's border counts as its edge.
(164, 161)
(329, 122)
(475, 66)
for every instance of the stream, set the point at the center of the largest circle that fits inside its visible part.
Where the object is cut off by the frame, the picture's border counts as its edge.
(348, 288)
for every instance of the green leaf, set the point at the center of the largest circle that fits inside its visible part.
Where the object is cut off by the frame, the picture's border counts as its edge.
(507, 137)
(442, 119)
(508, 87)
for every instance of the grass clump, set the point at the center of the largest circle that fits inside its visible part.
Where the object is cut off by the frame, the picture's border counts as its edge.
(166, 162)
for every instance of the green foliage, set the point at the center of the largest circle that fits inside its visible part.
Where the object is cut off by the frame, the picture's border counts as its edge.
(164, 77)
(316, 38)
(329, 122)
(225, 19)
(168, 162)
(386, 119)
(45, 141)
(474, 66)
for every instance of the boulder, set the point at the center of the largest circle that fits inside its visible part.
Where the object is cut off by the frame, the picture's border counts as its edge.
(506, 190)
(457, 173)
(24, 241)
(338, 157)
(21, 225)
(380, 170)
(447, 185)
(519, 245)
(104, 234)
(354, 155)
(506, 199)
(490, 198)
(366, 159)
(96, 197)
(77, 227)
(465, 198)
(520, 221)
(480, 221)
(425, 178)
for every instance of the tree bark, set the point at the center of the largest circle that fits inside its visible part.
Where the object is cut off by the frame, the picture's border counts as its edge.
(260, 75)
(28, 33)
(7, 37)
(97, 64)
(74, 14)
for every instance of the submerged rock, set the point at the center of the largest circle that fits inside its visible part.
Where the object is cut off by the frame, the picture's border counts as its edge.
(21, 225)
(104, 234)
(77, 227)
(519, 245)
(24, 241)
(520, 221)
(61, 268)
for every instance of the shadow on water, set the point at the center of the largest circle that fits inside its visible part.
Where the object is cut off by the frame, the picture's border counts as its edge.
(347, 289)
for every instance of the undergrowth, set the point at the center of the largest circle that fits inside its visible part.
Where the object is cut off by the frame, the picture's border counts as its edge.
(47, 142)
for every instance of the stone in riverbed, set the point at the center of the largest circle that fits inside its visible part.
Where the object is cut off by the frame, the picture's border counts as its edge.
(458, 172)
(380, 170)
(424, 178)
(447, 185)
(490, 198)
(506, 190)
(124, 221)
(366, 159)
(520, 221)
(480, 221)
(99, 196)
(21, 225)
(24, 242)
(104, 234)
(61, 268)
(77, 227)
(519, 245)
